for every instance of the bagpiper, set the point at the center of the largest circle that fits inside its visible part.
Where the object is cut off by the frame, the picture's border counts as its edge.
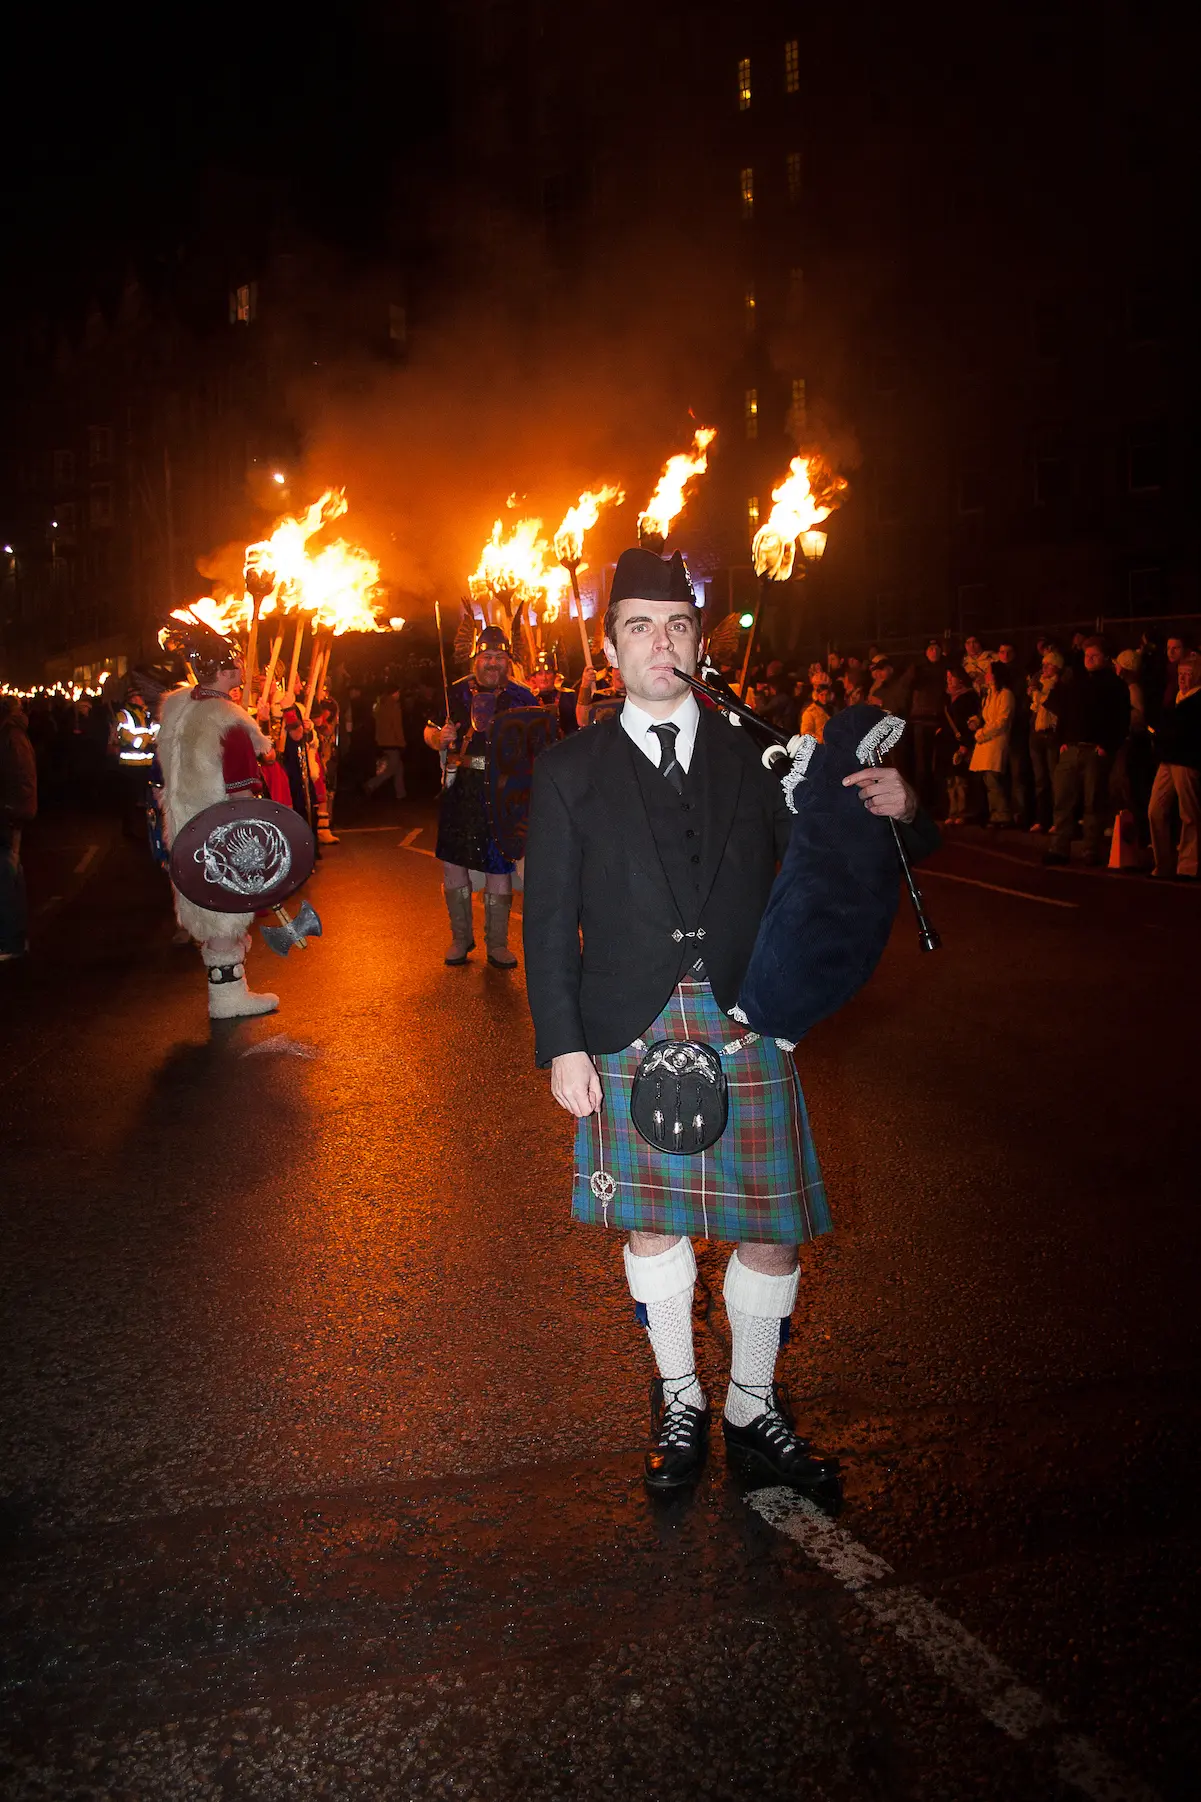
(653, 844)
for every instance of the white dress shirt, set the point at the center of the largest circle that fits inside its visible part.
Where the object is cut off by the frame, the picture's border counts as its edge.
(637, 727)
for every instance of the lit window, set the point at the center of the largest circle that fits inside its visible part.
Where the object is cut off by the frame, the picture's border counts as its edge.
(796, 292)
(243, 303)
(750, 412)
(752, 513)
(792, 66)
(100, 446)
(800, 400)
(748, 310)
(794, 167)
(744, 83)
(748, 193)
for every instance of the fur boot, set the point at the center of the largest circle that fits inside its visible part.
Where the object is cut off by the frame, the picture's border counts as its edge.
(497, 909)
(229, 997)
(458, 906)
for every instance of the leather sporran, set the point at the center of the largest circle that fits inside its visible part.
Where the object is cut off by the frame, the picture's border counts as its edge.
(680, 1102)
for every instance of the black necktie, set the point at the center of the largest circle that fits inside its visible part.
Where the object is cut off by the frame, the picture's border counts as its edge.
(668, 766)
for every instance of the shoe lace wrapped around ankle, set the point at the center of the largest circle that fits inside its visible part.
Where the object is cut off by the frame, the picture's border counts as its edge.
(774, 1424)
(674, 1426)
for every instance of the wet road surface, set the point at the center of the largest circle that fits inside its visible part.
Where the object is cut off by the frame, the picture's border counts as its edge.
(322, 1422)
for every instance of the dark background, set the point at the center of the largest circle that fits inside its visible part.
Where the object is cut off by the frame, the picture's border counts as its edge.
(444, 255)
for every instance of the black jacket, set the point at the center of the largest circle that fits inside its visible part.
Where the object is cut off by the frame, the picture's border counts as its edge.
(1092, 707)
(1178, 735)
(593, 873)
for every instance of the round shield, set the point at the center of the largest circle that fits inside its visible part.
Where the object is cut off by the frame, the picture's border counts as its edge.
(238, 856)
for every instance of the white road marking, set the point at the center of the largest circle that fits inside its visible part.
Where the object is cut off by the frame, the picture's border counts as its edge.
(420, 849)
(1059, 869)
(1022, 895)
(86, 859)
(409, 838)
(954, 1653)
(344, 830)
(47, 905)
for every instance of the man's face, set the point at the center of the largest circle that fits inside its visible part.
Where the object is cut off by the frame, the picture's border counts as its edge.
(1175, 649)
(542, 681)
(491, 666)
(972, 646)
(652, 639)
(1188, 673)
(881, 672)
(228, 680)
(1050, 668)
(1007, 653)
(823, 694)
(1095, 658)
(933, 653)
(956, 685)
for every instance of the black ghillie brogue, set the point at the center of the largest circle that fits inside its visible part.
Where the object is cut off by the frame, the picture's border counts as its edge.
(681, 1436)
(768, 1450)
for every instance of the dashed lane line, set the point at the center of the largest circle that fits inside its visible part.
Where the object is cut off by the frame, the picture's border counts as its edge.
(954, 1653)
(995, 887)
(86, 859)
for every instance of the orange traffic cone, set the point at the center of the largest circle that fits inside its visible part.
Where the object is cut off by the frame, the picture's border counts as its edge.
(1124, 853)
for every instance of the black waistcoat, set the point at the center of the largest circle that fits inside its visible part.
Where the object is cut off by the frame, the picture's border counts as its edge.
(677, 824)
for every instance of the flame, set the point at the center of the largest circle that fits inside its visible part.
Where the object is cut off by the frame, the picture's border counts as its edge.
(668, 499)
(519, 567)
(808, 494)
(569, 539)
(338, 584)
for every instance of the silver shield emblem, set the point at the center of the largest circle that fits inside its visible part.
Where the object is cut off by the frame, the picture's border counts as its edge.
(246, 857)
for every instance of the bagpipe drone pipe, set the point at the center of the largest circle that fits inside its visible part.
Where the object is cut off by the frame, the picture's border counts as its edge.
(835, 897)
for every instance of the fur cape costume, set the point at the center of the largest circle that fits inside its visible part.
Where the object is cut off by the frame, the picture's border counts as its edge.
(190, 744)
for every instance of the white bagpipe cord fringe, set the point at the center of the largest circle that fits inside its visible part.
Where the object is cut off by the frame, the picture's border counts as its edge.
(880, 740)
(805, 747)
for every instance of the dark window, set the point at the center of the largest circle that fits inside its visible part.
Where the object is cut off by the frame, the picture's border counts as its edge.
(1147, 591)
(1050, 329)
(885, 372)
(64, 468)
(67, 516)
(889, 497)
(972, 486)
(1145, 463)
(100, 504)
(1052, 479)
(100, 446)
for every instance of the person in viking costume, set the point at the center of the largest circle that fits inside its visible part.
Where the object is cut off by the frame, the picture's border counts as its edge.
(208, 751)
(465, 840)
(653, 844)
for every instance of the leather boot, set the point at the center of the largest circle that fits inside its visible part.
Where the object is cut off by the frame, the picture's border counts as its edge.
(458, 906)
(497, 909)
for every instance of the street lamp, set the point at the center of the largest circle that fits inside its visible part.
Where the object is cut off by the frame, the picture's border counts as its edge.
(812, 545)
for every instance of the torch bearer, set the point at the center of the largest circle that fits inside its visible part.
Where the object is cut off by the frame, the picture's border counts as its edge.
(259, 578)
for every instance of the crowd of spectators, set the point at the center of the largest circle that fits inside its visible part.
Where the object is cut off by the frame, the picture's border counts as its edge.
(1061, 744)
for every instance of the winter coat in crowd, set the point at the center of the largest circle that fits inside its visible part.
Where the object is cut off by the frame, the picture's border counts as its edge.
(1092, 708)
(991, 750)
(389, 723)
(955, 734)
(1178, 735)
(18, 768)
(929, 690)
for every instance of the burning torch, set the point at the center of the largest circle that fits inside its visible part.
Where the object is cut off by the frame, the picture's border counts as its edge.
(808, 494)
(668, 499)
(569, 547)
(259, 578)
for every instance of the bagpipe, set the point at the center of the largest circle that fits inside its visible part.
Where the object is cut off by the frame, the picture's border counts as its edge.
(835, 897)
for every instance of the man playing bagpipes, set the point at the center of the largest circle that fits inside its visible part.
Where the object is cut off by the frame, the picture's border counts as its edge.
(654, 840)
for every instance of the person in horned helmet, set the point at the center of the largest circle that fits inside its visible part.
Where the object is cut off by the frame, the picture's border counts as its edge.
(208, 751)
(465, 841)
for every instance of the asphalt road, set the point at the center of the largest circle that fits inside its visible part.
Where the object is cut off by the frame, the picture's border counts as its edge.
(322, 1423)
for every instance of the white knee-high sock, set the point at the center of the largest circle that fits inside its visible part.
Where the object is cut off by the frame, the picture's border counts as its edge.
(755, 1305)
(664, 1285)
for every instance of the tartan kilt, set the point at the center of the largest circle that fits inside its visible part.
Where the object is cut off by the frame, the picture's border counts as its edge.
(760, 1181)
